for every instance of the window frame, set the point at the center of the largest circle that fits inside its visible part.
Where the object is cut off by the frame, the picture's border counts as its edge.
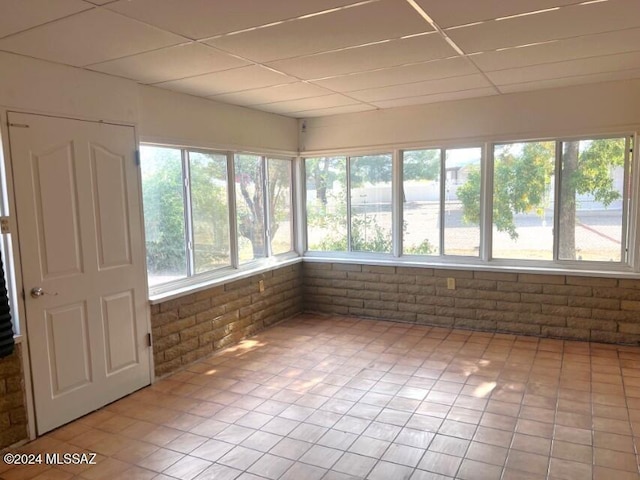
(292, 198)
(349, 251)
(188, 209)
(574, 265)
(234, 270)
(485, 261)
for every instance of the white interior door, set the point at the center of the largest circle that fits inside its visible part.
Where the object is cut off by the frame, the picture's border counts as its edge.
(80, 235)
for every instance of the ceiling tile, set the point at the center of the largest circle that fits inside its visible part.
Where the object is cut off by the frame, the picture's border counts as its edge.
(461, 12)
(570, 81)
(572, 21)
(560, 50)
(323, 112)
(569, 68)
(436, 97)
(18, 15)
(89, 37)
(198, 19)
(313, 103)
(430, 87)
(235, 80)
(370, 22)
(398, 75)
(391, 53)
(290, 91)
(170, 63)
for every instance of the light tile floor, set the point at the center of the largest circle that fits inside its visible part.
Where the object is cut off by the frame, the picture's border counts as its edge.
(337, 398)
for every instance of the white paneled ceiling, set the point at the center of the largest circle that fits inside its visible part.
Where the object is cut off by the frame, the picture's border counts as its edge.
(172, 63)
(358, 25)
(323, 57)
(17, 16)
(88, 37)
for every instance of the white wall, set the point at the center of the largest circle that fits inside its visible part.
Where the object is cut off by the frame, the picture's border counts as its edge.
(42, 87)
(579, 110)
(170, 117)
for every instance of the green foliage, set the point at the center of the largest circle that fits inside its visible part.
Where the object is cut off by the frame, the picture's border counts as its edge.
(251, 199)
(322, 173)
(421, 165)
(368, 236)
(370, 169)
(522, 175)
(327, 176)
(522, 180)
(423, 248)
(163, 195)
(210, 210)
(163, 211)
(250, 202)
(469, 195)
(594, 169)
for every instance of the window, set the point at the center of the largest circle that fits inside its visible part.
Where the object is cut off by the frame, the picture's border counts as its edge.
(593, 199)
(370, 205)
(250, 207)
(208, 188)
(421, 197)
(573, 187)
(327, 221)
(559, 203)
(280, 217)
(462, 198)
(349, 212)
(263, 190)
(189, 199)
(430, 202)
(523, 200)
(164, 213)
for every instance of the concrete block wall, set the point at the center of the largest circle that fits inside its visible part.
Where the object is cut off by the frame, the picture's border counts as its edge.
(13, 413)
(191, 327)
(547, 305)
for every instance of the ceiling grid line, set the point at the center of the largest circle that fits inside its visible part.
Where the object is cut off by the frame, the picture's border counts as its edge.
(323, 57)
(448, 39)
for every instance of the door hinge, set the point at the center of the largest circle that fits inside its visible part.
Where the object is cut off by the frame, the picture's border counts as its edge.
(148, 339)
(136, 156)
(5, 227)
(18, 125)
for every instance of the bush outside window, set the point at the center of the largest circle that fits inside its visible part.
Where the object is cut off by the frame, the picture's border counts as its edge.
(189, 198)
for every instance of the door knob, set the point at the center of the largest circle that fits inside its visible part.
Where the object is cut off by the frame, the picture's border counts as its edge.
(38, 292)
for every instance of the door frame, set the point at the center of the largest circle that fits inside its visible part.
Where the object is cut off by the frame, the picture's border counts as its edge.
(8, 208)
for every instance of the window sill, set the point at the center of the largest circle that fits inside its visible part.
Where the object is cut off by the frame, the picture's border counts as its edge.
(460, 263)
(162, 293)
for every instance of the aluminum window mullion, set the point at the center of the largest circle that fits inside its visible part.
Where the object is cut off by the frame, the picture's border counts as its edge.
(233, 214)
(443, 191)
(624, 244)
(556, 201)
(397, 204)
(348, 183)
(299, 204)
(188, 213)
(634, 206)
(486, 203)
(266, 207)
(294, 212)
